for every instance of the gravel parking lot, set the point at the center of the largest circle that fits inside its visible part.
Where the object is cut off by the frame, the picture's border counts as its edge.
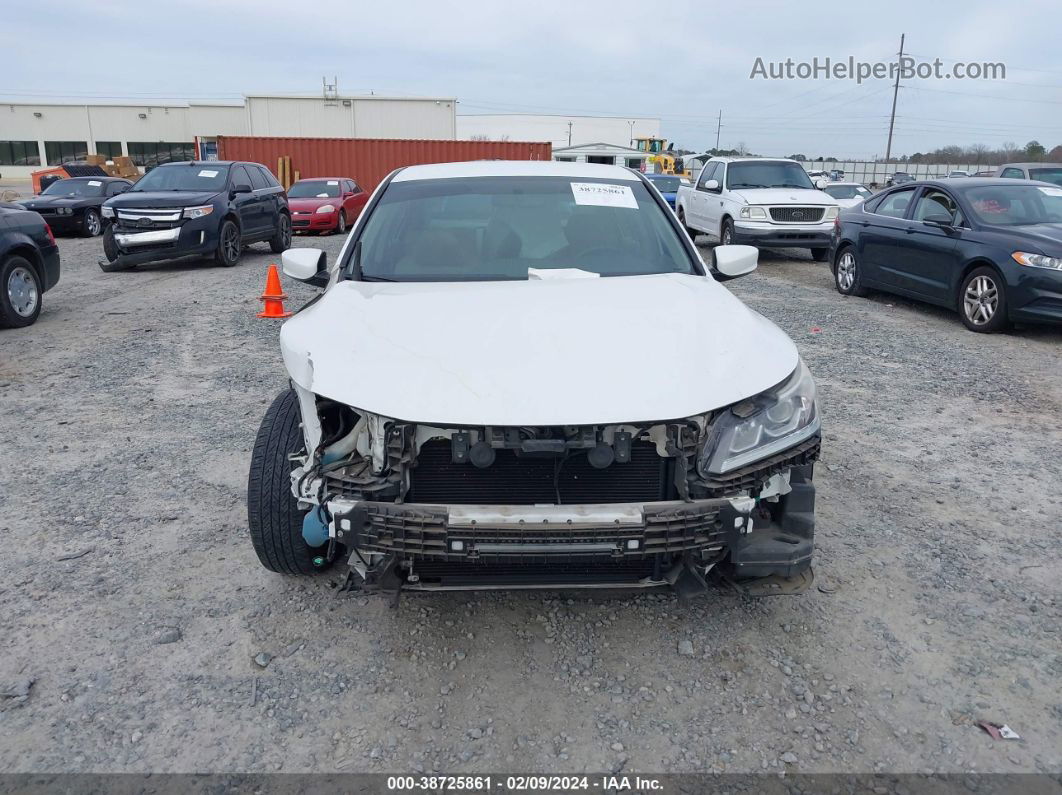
(141, 634)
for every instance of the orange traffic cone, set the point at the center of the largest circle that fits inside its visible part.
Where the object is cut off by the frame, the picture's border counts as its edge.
(273, 297)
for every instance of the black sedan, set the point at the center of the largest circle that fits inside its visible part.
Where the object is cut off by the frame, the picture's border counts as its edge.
(29, 265)
(989, 248)
(73, 205)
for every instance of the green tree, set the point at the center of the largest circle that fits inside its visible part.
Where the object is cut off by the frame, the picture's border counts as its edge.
(1034, 150)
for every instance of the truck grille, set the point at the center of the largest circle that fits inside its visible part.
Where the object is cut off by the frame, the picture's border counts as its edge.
(526, 480)
(797, 215)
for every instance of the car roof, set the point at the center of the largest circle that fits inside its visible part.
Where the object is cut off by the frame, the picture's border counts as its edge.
(730, 159)
(191, 163)
(1029, 165)
(94, 179)
(977, 182)
(320, 179)
(514, 168)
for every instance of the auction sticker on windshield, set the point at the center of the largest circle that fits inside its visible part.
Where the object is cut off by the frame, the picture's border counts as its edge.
(601, 195)
(1045, 191)
(206, 172)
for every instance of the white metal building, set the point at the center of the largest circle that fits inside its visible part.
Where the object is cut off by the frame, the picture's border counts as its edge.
(606, 154)
(556, 129)
(38, 135)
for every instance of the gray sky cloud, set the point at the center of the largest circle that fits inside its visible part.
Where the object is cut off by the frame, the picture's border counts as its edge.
(681, 61)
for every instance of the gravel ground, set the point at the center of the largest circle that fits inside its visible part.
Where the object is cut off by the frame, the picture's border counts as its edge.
(140, 633)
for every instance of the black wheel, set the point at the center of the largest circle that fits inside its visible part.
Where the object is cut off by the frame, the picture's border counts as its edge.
(93, 224)
(726, 232)
(846, 274)
(20, 293)
(229, 245)
(273, 514)
(820, 254)
(341, 224)
(281, 240)
(689, 229)
(983, 301)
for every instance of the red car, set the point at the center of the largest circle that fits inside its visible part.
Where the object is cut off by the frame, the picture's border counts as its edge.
(325, 204)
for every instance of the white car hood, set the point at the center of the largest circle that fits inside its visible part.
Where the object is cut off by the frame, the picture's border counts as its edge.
(552, 352)
(781, 196)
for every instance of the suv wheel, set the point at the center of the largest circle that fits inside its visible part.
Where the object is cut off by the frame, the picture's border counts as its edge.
(93, 224)
(281, 240)
(273, 514)
(20, 293)
(229, 244)
(983, 301)
(846, 274)
(726, 234)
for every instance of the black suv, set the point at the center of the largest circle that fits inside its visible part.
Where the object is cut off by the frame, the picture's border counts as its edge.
(196, 209)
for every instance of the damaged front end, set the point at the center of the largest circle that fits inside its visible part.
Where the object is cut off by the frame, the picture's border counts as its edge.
(634, 505)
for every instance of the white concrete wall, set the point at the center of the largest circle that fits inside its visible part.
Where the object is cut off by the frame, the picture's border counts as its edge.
(364, 117)
(531, 127)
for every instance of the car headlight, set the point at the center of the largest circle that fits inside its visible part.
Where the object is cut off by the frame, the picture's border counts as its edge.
(326, 208)
(1037, 260)
(763, 425)
(832, 212)
(752, 212)
(64, 211)
(107, 212)
(197, 212)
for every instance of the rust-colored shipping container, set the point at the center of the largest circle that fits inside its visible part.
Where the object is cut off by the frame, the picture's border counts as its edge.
(369, 160)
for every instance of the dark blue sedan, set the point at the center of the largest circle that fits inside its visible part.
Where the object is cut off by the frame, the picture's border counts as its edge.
(668, 186)
(989, 248)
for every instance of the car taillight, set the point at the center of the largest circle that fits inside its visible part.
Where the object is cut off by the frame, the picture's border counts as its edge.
(837, 223)
(51, 237)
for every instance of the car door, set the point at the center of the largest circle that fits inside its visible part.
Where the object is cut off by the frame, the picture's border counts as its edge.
(268, 204)
(930, 255)
(247, 205)
(884, 235)
(357, 200)
(709, 200)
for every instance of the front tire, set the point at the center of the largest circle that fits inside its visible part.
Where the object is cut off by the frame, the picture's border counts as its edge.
(229, 244)
(847, 276)
(726, 232)
(92, 225)
(983, 301)
(111, 253)
(281, 240)
(273, 515)
(20, 293)
(820, 254)
(341, 224)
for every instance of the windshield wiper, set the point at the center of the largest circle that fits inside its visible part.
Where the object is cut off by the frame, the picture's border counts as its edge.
(370, 278)
(747, 185)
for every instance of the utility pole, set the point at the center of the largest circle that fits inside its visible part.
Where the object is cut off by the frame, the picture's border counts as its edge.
(569, 133)
(895, 92)
(631, 123)
(718, 127)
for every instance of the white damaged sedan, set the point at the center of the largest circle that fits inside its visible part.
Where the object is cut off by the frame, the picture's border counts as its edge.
(522, 375)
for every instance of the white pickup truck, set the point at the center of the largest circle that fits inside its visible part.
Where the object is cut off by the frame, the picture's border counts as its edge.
(762, 202)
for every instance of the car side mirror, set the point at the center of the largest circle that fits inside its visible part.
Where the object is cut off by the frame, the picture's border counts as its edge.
(733, 261)
(308, 265)
(937, 219)
(243, 187)
(712, 184)
(821, 183)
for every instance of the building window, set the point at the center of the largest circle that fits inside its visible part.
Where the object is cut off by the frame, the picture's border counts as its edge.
(634, 162)
(19, 153)
(59, 152)
(152, 153)
(109, 149)
(565, 159)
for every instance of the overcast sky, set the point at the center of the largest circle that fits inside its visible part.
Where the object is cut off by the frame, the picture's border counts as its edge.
(679, 61)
